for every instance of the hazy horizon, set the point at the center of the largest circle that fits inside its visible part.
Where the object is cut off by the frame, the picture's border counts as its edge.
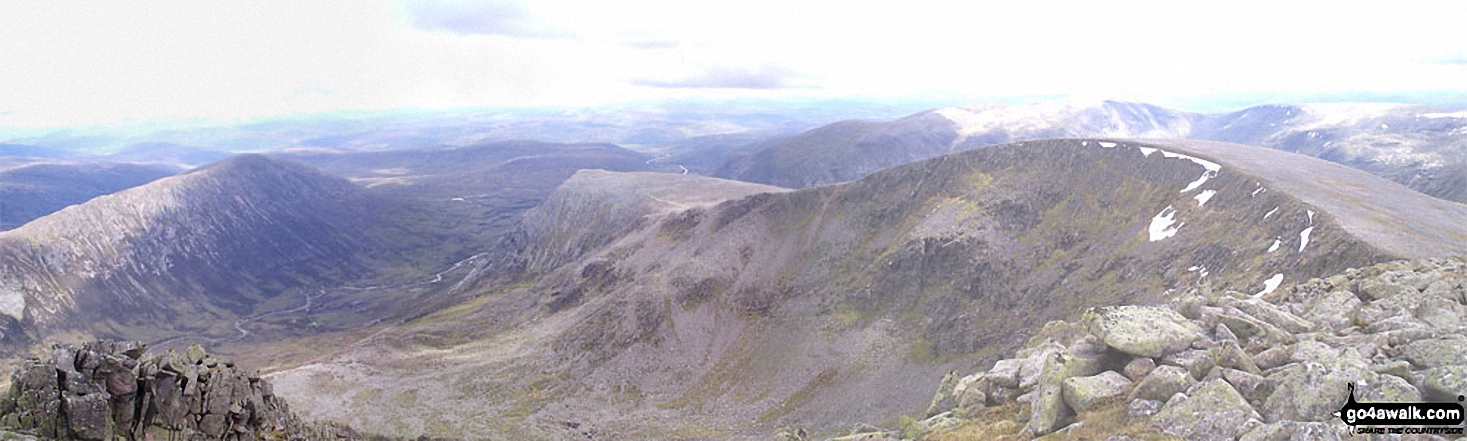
(181, 64)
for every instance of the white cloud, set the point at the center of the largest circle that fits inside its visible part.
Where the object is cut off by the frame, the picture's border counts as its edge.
(78, 63)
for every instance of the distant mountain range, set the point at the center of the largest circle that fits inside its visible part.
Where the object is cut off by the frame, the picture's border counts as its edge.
(1422, 147)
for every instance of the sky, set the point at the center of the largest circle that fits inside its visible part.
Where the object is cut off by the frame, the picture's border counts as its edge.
(72, 63)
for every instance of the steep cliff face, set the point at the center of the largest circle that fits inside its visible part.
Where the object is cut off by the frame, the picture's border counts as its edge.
(834, 305)
(185, 251)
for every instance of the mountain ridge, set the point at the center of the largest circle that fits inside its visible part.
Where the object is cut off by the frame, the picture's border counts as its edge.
(174, 248)
(1416, 145)
(829, 305)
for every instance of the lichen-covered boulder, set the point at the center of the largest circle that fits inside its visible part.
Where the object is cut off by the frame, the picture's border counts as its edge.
(1272, 314)
(943, 400)
(1436, 352)
(1336, 310)
(1163, 382)
(1252, 330)
(1253, 387)
(1005, 373)
(1139, 367)
(1048, 410)
(1146, 331)
(1197, 362)
(1081, 393)
(1304, 389)
(1380, 289)
(971, 394)
(1215, 411)
(1445, 383)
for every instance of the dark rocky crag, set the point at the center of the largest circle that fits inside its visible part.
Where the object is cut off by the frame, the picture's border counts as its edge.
(110, 390)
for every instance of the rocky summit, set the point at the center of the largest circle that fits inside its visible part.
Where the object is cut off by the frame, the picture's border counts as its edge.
(110, 390)
(1219, 365)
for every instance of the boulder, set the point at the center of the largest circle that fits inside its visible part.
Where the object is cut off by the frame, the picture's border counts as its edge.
(1253, 387)
(1272, 357)
(1048, 411)
(971, 394)
(1146, 331)
(1163, 382)
(1310, 350)
(88, 416)
(1139, 367)
(1214, 412)
(1082, 393)
(1031, 363)
(1417, 280)
(942, 401)
(1266, 432)
(195, 354)
(941, 421)
(1320, 431)
(1336, 310)
(1397, 368)
(1436, 352)
(1304, 390)
(1256, 332)
(1141, 407)
(1387, 388)
(1272, 315)
(1006, 373)
(1228, 354)
(1446, 290)
(1445, 382)
(1222, 333)
(1196, 361)
(1380, 289)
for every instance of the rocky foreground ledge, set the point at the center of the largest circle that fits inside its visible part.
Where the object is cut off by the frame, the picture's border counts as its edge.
(1221, 366)
(109, 390)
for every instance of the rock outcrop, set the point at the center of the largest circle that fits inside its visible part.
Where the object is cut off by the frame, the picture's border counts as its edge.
(109, 390)
(1224, 366)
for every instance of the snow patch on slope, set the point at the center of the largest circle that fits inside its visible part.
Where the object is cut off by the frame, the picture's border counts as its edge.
(1203, 197)
(1161, 224)
(12, 303)
(1210, 169)
(1077, 117)
(1337, 114)
(1271, 284)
